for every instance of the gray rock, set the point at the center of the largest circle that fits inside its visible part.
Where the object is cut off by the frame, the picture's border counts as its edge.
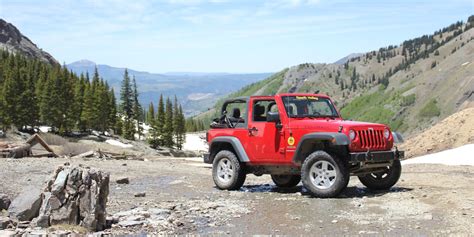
(60, 182)
(8, 233)
(41, 221)
(4, 222)
(26, 206)
(140, 194)
(67, 214)
(74, 196)
(128, 223)
(123, 180)
(4, 202)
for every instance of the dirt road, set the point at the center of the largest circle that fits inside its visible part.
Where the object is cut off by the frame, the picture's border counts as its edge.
(429, 200)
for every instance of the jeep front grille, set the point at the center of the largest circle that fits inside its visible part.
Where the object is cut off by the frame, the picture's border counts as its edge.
(371, 139)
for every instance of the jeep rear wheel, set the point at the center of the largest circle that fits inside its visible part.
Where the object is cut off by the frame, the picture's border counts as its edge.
(324, 175)
(384, 179)
(228, 173)
(286, 181)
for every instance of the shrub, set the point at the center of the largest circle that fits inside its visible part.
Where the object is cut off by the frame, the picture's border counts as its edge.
(430, 109)
(408, 100)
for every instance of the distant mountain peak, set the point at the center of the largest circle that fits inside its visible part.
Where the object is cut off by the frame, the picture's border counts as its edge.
(12, 40)
(347, 58)
(83, 63)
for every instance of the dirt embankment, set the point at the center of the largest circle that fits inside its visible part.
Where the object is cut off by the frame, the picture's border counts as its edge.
(454, 131)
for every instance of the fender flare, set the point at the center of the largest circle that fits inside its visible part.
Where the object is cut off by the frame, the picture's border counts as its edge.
(338, 139)
(236, 144)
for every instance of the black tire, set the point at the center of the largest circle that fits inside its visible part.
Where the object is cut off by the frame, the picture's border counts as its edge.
(236, 174)
(286, 181)
(383, 180)
(329, 183)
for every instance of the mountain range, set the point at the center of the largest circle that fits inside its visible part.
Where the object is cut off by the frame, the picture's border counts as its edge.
(409, 86)
(196, 91)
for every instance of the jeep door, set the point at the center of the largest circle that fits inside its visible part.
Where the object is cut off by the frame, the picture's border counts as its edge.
(264, 138)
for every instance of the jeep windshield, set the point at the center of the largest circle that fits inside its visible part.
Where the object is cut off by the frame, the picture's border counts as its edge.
(309, 107)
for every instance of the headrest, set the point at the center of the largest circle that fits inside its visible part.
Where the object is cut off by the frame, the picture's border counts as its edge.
(236, 113)
(259, 109)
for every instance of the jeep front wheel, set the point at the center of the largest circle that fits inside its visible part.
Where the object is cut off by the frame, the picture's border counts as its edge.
(228, 173)
(286, 181)
(323, 175)
(384, 179)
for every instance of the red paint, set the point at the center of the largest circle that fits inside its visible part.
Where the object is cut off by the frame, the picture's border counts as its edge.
(268, 145)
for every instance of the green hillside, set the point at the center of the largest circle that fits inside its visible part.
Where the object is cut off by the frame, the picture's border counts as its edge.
(408, 86)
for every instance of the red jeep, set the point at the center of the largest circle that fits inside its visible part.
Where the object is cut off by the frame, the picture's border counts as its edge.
(297, 137)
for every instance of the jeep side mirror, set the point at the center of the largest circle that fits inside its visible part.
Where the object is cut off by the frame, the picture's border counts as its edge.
(273, 117)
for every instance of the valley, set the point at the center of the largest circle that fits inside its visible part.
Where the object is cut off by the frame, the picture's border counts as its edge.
(197, 91)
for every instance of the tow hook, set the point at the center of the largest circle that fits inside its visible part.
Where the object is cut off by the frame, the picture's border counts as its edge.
(368, 154)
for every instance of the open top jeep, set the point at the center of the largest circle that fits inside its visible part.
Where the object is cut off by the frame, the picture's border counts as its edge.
(297, 137)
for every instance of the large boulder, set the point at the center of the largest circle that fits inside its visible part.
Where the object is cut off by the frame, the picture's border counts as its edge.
(75, 196)
(26, 205)
(4, 202)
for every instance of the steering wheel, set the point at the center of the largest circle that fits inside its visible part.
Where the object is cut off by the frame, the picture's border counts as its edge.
(226, 120)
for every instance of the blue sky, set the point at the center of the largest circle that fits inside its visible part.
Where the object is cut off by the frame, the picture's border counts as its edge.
(223, 35)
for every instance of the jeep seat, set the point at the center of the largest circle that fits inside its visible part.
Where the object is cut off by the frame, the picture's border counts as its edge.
(258, 112)
(235, 117)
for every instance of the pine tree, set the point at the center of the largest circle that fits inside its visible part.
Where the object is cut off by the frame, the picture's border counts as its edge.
(112, 104)
(168, 126)
(153, 138)
(33, 92)
(126, 107)
(137, 109)
(150, 115)
(175, 119)
(126, 96)
(160, 120)
(87, 113)
(180, 128)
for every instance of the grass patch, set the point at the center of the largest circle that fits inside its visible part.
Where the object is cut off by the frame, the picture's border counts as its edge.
(408, 100)
(430, 109)
(369, 108)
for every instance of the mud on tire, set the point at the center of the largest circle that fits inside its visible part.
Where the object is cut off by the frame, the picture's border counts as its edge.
(383, 180)
(286, 181)
(227, 171)
(323, 175)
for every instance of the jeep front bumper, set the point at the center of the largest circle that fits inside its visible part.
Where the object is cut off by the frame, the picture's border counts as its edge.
(377, 156)
(206, 158)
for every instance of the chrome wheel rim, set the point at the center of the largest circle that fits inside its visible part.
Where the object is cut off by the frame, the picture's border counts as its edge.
(225, 170)
(322, 174)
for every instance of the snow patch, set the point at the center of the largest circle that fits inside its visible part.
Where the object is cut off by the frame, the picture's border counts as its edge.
(45, 129)
(118, 143)
(458, 156)
(195, 142)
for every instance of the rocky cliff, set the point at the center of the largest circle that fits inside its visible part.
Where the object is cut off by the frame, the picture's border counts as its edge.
(12, 40)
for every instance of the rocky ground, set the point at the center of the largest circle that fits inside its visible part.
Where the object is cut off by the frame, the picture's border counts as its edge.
(177, 196)
(454, 131)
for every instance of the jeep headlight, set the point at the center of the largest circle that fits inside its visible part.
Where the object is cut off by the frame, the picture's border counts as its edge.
(386, 133)
(352, 135)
